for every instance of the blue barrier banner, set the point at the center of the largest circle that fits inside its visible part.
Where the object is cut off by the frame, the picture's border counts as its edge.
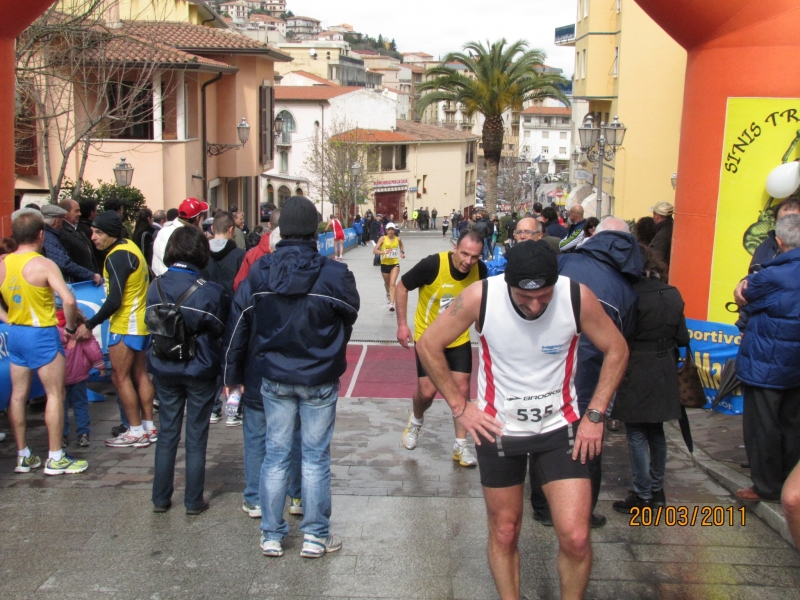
(712, 345)
(325, 241)
(90, 298)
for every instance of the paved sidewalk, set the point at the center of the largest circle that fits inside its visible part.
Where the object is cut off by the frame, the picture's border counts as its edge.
(413, 523)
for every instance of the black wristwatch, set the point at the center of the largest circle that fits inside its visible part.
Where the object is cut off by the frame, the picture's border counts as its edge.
(70, 331)
(595, 416)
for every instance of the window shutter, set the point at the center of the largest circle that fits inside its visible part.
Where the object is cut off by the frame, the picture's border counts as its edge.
(264, 125)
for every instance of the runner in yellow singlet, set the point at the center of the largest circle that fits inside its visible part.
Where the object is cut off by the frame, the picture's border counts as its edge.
(127, 278)
(390, 249)
(439, 279)
(27, 283)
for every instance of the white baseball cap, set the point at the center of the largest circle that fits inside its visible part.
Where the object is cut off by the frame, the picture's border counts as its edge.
(391, 225)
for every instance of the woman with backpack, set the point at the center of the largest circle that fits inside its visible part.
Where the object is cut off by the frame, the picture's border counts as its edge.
(185, 359)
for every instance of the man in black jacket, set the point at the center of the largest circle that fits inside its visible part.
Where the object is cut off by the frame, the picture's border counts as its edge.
(225, 261)
(79, 247)
(296, 367)
(662, 242)
(54, 248)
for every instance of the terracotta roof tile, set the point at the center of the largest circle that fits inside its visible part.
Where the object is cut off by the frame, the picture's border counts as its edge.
(312, 92)
(407, 131)
(548, 110)
(417, 54)
(129, 50)
(312, 77)
(186, 36)
(414, 68)
(432, 133)
(372, 136)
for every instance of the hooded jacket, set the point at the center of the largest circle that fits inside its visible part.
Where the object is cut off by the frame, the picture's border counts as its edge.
(769, 356)
(290, 321)
(160, 245)
(79, 248)
(226, 259)
(251, 257)
(608, 263)
(204, 314)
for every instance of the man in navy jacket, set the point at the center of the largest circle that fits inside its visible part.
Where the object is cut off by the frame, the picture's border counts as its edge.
(287, 335)
(608, 263)
(768, 366)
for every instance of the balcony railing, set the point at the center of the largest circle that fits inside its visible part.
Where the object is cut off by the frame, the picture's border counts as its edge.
(449, 107)
(565, 35)
(469, 189)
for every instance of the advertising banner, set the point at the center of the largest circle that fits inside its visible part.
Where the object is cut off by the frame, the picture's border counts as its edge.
(712, 344)
(325, 241)
(760, 134)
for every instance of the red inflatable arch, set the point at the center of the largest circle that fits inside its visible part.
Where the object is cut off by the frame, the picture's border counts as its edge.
(736, 48)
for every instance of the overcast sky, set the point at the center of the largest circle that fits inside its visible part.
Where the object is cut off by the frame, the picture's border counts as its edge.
(438, 26)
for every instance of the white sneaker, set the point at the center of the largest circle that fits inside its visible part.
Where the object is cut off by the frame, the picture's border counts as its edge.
(253, 511)
(234, 421)
(391, 307)
(464, 456)
(411, 434)
(271, 547)
(314, 547)
(215, 417)
(388, 300)
(296, 507)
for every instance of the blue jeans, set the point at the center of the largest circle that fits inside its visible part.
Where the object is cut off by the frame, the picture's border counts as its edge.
(254, 432)
(316, 406)
(487, 243)
(647, 447)
(198, 396)
(78, 399)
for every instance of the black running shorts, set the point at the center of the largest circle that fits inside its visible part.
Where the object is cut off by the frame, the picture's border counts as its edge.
(504, 463)
(459, 359)
(388, 268)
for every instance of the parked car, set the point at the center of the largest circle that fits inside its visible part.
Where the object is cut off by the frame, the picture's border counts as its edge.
(266, 209)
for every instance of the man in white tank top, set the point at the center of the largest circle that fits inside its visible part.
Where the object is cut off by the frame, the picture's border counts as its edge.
(530, 320)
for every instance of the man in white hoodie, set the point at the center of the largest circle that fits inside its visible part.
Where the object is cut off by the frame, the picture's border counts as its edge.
(191, 212)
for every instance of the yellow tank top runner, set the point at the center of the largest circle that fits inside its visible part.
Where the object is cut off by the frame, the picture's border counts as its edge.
(28, 304)
(435, 297)
(393, 246)
(129, 319)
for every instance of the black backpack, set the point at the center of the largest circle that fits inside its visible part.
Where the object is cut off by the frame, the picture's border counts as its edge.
(171, 338)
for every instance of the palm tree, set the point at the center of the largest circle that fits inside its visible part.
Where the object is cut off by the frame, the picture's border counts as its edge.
(502, 77)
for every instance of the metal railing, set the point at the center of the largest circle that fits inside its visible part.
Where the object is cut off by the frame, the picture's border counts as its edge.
(565, 34)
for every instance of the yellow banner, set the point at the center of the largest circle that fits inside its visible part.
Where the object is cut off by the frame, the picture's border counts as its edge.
(758, 133)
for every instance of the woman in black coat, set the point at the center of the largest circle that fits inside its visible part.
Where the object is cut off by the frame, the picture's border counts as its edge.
(191, 383)
(648, 394)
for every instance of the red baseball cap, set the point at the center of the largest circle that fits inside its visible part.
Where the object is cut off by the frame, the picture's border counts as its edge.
(191, 207)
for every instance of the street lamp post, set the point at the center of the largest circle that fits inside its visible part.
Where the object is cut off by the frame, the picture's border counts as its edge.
(355, 170)
(242, 130)
(123, 173)
(601, 144)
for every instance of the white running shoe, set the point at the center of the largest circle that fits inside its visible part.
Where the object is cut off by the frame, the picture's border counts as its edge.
(271, 547)
(296, 507)
(464, 456)
(314, 547)
(391, 307)
(411, 434)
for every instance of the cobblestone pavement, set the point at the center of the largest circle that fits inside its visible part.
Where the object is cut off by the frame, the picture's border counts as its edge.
(413, 523)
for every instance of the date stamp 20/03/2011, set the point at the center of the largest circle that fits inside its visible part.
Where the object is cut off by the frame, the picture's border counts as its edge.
(687, 516)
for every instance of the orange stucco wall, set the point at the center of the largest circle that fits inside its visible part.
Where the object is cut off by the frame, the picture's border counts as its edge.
(736, 48)
(14, 18)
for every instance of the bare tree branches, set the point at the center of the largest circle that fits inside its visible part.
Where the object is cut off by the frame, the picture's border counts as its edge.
(511, 189)
(80, 78)
(329, 166)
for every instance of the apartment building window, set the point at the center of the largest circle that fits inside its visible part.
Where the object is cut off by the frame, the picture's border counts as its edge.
(288, 126)
(470, 153)
(527, 135)
(284, 162)
(527, 119)
(577, 65)
(545, 135)
(562, 150)
(545, 149)
(585, 8)
(565, 120)
(619, 5)
(131, 107)
(562, 135)
(400, 156)
(387, 158)
(583, 64)
(266, 138)
(615, 67)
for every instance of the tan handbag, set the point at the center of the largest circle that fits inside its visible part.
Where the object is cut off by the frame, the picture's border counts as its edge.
(690, 388)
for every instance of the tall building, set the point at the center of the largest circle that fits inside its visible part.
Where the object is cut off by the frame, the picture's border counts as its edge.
(626, 65)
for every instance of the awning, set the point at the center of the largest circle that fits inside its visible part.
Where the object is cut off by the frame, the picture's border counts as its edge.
(395, 188)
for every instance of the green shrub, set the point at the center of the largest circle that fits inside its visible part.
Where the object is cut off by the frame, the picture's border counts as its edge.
(132, 197)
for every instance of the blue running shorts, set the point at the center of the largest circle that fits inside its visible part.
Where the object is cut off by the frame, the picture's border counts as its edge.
(33, 347)
(137, 343)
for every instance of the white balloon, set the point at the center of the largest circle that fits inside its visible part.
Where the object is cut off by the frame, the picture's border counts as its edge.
(783, 180)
